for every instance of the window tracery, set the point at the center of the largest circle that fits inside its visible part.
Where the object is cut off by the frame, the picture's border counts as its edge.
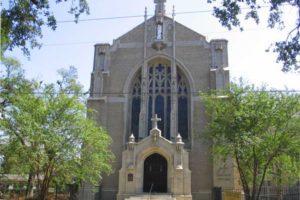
(159, 100)
(135, 106)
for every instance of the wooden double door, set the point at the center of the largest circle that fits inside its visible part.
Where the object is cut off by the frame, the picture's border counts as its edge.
(155, 174)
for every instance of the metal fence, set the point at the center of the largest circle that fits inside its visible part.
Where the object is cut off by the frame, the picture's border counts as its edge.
(267, 193)
(280, 193)
(15, 192)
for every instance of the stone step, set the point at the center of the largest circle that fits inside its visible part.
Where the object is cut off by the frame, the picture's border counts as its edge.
(153, 197)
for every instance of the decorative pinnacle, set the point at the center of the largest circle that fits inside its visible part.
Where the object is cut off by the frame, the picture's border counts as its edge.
(131, 138)
(145, 13)
(179, 138)
(155, 119)
(173, 12)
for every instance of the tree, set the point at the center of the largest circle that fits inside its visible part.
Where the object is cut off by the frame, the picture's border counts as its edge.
(46, 133)
(229, 14)
(259, 130)
(22, 22)
(12, 81)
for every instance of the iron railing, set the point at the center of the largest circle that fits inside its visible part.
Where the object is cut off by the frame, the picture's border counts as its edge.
(149, 195)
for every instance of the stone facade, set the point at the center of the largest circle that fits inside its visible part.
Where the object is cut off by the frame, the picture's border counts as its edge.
(133, 158)
(184, 55)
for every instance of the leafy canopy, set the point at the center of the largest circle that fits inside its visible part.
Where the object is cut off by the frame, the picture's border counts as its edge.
(22, 22)
(259, 130)
(229, 13)
(45, 130)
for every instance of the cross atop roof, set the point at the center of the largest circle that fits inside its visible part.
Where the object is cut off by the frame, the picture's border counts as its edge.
(159, 1)
(154, 120)
(160, 7)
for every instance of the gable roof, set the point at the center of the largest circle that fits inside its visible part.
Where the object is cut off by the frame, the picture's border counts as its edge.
(182, 32)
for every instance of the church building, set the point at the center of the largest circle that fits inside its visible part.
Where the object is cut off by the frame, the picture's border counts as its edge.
(145, 91)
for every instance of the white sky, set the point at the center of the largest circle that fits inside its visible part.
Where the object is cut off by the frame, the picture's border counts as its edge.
(73, 44)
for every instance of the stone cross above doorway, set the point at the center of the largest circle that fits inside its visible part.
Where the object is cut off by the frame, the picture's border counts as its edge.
(157, 163)
(154, 120)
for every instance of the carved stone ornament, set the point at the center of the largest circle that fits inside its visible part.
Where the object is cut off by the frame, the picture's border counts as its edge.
(103, 48)
(155, 132)
(159, 45)
(130, 166)
(131, 138)
(179, 143)
(131, 142)
(218, 47)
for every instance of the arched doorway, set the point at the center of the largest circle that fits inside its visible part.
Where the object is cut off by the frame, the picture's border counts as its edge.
(155, 174)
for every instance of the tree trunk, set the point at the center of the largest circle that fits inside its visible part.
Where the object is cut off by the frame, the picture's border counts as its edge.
(73, 188)
(247, 196)
(43, 193)
(29, 188)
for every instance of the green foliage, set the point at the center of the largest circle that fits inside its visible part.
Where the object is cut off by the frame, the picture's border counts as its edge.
(259, 130)
(45, 131)
(22, 22)
(229, 13)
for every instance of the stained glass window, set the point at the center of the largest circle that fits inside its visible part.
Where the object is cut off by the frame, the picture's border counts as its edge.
(159, 101)
(182, 107)
(182, 117)
(160, 95)
(150, 114)
(136, 107)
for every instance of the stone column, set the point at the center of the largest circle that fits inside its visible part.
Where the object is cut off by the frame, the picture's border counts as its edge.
(174, 99)
(101, 63)
(219, 74)
(179, 147)
(131, 145)
(143, 123)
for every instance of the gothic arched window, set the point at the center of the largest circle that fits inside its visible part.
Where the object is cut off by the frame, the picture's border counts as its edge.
(159, 100)
(182, 106)
(160, 96)
(136, 106)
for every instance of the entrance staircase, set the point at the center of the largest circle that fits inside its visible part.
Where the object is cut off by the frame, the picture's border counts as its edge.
(152, 197)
